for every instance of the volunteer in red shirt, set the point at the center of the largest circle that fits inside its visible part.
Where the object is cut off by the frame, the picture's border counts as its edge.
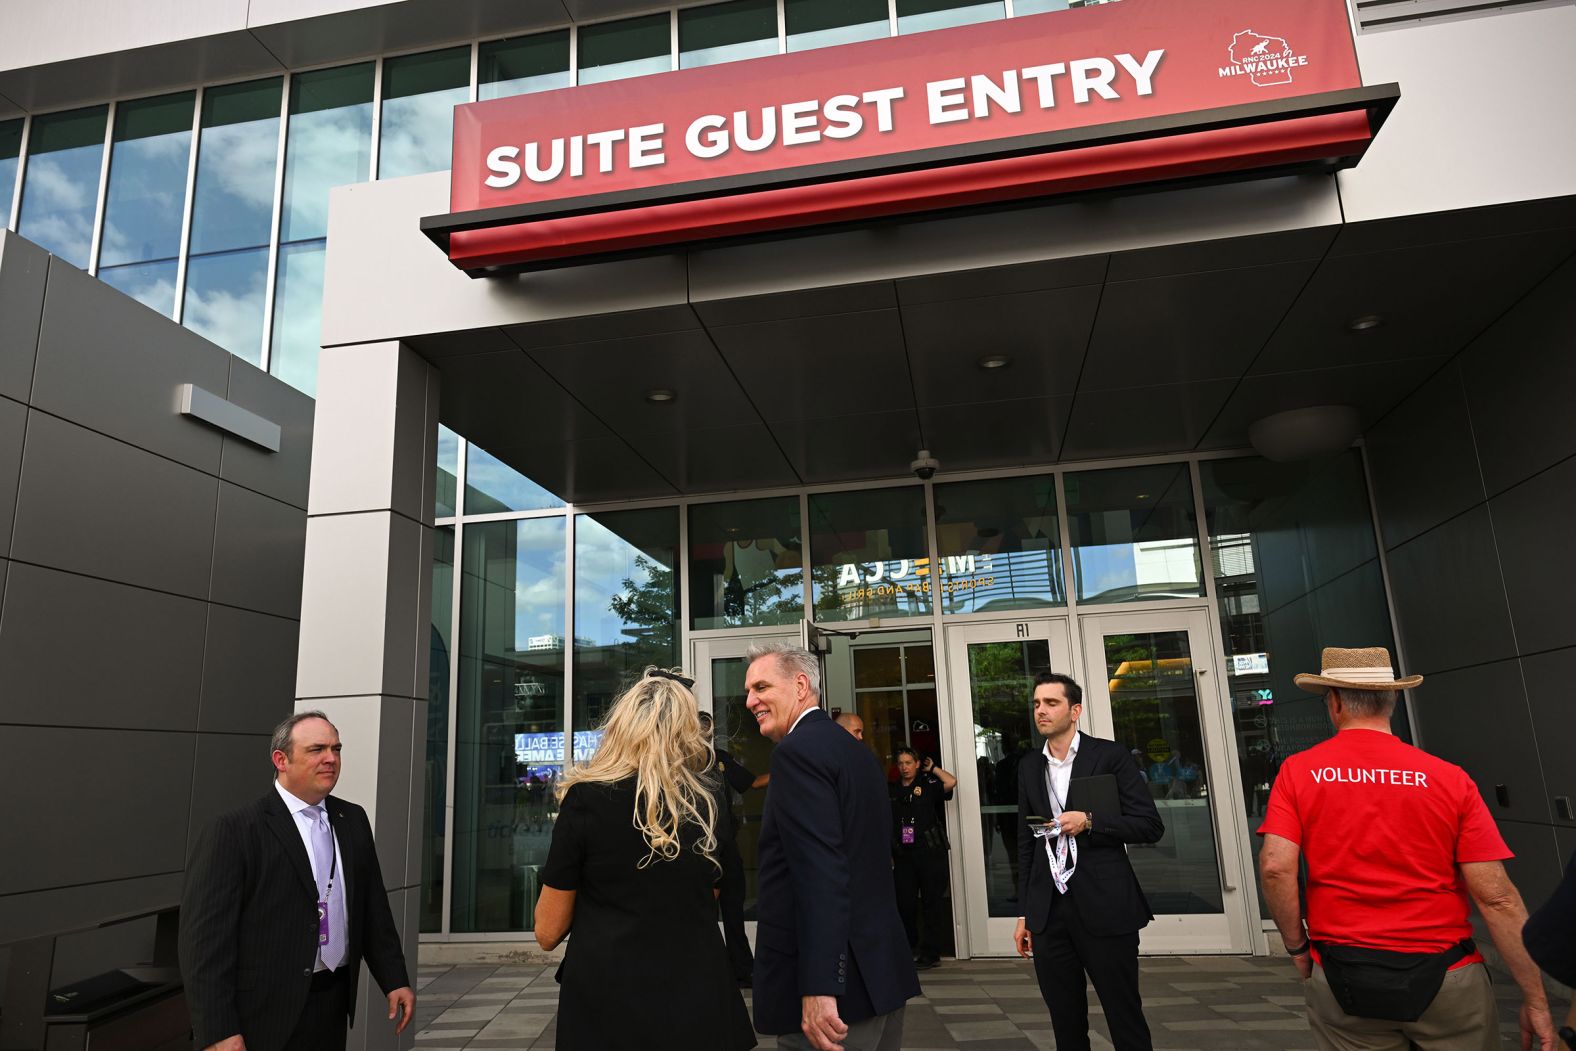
(1396, 842)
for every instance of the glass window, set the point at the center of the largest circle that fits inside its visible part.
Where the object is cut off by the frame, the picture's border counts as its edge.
(1000, 545)
(445, 502)
(1296, 567)
(436, 773)
(298, 314)
(232, 213)
(626, 604)
(509, 729)
(746, 564)
(727, 32)
(328, 143)
(10, 157)
(419, 96)
(143, 206)
(1035, 7)
(492, 486)
(65, 153)
(916, 16)
(1134, 533)
(630, 48)
(824, 23)
(869, 554)
(523, 65)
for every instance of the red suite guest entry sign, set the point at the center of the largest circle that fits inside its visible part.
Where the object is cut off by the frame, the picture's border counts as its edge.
(864, 129)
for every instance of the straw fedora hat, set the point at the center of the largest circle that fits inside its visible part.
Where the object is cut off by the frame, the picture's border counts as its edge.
(1368, 668)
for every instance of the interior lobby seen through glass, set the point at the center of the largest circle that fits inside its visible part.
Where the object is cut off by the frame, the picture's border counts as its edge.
(1000, 545)
(746, 564)
(869, 554)
(626, 606)
(1134, 533)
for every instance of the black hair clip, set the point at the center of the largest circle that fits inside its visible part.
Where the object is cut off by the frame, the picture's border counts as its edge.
(684, 681)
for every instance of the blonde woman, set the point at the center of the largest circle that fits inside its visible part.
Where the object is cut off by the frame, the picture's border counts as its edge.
(632, 872)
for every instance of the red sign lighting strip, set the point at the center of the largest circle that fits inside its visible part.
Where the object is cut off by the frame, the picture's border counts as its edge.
(1260, 146)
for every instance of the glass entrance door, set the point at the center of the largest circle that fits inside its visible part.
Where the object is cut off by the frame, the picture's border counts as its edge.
(991, 675)
(1150, 683)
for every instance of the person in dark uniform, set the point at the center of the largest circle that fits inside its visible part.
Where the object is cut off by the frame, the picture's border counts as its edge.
(919, 851)
(733, 779)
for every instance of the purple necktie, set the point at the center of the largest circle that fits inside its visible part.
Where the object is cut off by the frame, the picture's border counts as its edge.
(331, 952)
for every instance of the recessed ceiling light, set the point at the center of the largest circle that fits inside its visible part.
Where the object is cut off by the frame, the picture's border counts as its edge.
(995, 361)
(1143, 496)
(657, 397)
(1366, 323)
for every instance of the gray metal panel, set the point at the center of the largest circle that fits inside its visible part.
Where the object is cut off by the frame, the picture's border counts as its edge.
(848, 448)
(1450, 597)
(414, 436)
(709, 461)
(282, 475)
(1522, 375)
(230, 771)
(595, 328)
(147, 651)
(13, 425)
(1547, 677)
(780, 306)
(258, 550)
(398, 838)
(1223, 253)
(1538, 864)
(820, 366)
(24, 267)
(1143, 419)
(248, 671)
(1451, 707)
(218, 412)
(1351, 610)
(1038, 276)
(1532, 529)
(404, 624)
(1423, 460)
(1045, 334)
(97, 824)
(107, 362)
(80, 490)
(995, 434)
(1169, 329)
(62, 908)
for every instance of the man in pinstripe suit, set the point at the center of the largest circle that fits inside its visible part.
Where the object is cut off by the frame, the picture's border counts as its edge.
(284, 899)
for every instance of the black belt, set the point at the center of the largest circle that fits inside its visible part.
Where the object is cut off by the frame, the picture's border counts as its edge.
(323, 980)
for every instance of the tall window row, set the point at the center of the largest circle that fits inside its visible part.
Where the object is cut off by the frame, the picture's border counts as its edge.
(211, 206)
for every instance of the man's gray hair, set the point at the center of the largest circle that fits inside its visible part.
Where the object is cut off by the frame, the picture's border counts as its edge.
(1366, 704)
(791, 658)
(284, 733)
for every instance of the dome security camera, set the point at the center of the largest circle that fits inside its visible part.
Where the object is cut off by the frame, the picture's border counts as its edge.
(925, 465)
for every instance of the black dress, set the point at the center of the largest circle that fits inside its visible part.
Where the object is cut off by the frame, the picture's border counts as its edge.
(645, 965)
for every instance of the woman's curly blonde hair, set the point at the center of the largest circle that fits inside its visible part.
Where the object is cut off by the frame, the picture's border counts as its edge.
(653, 733)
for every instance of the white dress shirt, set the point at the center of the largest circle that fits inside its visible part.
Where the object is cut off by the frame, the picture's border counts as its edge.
(303, 822)
(800, 719)
(1062, 770)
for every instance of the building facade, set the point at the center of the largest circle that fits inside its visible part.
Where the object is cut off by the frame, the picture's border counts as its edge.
(531, 481)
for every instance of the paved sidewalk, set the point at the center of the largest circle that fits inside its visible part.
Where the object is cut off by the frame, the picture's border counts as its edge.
(1202, 1002)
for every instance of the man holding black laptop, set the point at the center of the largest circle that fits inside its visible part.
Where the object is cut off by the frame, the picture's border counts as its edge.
(1080, 801)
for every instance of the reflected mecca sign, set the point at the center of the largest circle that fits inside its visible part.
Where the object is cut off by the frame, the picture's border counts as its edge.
(1036, 105)
(547, 749)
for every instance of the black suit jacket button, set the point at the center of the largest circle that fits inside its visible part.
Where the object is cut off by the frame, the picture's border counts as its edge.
(307, 973)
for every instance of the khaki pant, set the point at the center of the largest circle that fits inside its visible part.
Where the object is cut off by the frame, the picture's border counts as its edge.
(1462, 1017)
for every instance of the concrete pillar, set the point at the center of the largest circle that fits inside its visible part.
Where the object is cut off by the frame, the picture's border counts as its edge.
(366, 604)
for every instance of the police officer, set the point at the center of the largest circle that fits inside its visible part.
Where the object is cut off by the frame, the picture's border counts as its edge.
(919, 851)
(733, 778)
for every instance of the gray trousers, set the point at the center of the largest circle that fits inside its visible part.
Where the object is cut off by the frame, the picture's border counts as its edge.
(881, 1033)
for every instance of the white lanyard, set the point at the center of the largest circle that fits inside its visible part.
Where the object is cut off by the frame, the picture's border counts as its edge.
(1061, 851)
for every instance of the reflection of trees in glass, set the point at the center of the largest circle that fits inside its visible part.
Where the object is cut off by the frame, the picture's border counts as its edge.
(647, 607)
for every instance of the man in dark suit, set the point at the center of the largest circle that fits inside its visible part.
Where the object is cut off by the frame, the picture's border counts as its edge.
(284, 899)
(832, 964)
(1086, 921)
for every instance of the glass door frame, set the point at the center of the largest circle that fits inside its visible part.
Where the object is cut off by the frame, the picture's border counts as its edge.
(1235, 930)
(976, 932)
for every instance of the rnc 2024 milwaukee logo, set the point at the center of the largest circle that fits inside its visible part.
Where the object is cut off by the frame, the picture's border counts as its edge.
(1265, 60)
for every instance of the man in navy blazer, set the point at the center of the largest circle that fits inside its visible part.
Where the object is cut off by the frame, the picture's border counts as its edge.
(1089, 925)
(832, 963)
